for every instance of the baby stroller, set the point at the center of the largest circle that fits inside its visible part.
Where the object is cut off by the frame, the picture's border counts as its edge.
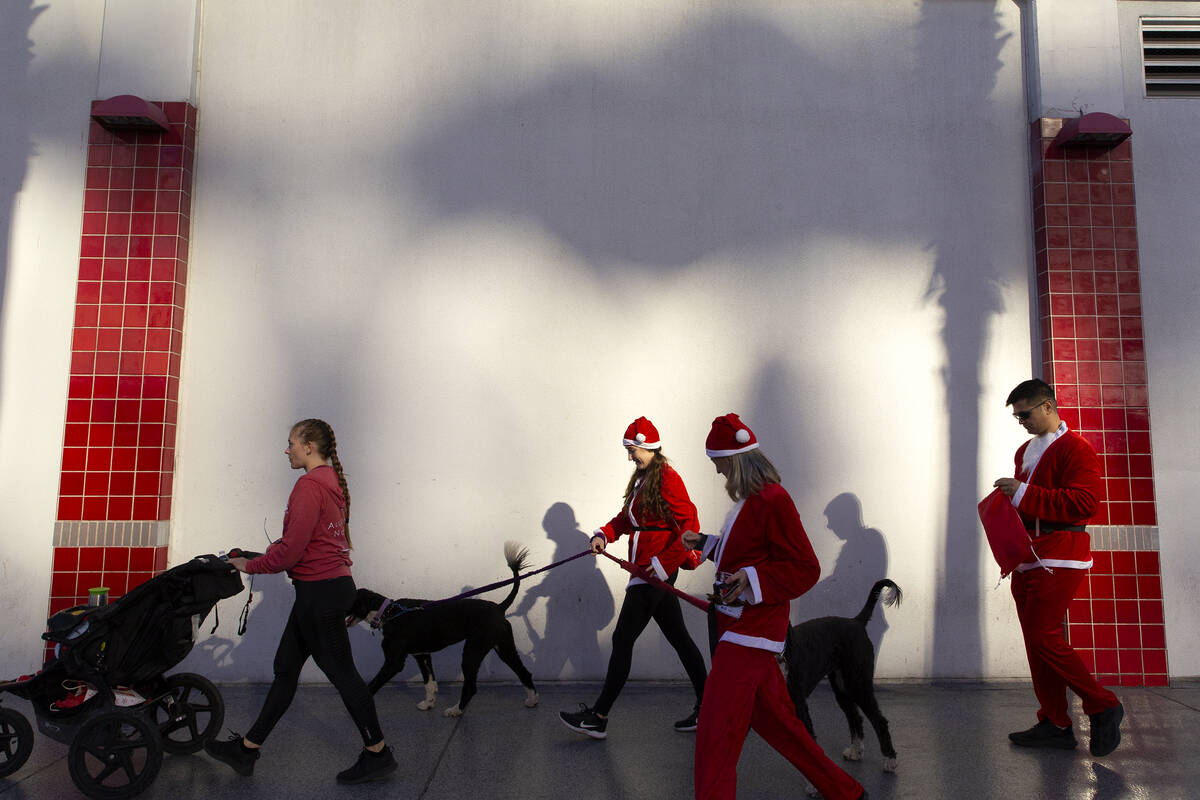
(105, 693)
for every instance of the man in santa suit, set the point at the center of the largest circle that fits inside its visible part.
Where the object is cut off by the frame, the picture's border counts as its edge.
(1056, 490)
(763, 559)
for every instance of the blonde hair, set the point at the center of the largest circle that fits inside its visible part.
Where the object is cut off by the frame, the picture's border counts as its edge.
(319, 434)
(747, 473)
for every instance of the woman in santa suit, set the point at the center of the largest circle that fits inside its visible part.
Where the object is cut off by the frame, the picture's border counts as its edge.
(763, 560)
(657, 510)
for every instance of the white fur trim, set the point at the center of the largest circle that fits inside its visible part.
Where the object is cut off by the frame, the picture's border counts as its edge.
(755, 588)
(730, 519)
(721, 453)
(642, 444)
(1036, 447)
(1055, 562)
(1018, 494)
(710, 542)
(759, 642)
(658, 569)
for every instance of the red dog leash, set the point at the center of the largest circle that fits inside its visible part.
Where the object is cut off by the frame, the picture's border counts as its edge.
(654, 580)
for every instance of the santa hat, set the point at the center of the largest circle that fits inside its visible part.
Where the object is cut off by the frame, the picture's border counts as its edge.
(642, 433)
(729, 436)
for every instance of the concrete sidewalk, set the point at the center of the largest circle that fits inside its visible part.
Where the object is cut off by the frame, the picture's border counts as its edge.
(951, 741)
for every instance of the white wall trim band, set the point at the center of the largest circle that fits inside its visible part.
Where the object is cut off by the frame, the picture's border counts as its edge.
(112, 534)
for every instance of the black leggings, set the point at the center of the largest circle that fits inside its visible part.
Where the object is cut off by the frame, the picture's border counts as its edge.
(317, 627)
(644, 602)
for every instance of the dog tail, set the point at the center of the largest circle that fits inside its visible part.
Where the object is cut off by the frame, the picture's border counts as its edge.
(892, 597)
(517, 558)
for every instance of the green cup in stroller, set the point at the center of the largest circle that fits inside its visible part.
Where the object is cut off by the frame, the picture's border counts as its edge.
(106, 693)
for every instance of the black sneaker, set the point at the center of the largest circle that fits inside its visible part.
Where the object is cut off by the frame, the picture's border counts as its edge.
(690, 722)
(1045, 734)
(234, 753)
(1106, 730)
(585, 721)
(369, 767)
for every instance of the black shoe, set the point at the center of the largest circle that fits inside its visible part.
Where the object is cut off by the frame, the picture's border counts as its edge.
(1045, 734)
(369, 767)
(689, 724)
(234, 753)
(1106, 730)
(585, 721)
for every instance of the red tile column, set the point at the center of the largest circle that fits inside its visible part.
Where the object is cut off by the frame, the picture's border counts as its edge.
(114, 505)
(1089, 301)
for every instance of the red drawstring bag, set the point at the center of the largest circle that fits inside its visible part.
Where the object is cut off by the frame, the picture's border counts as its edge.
(1005, 531)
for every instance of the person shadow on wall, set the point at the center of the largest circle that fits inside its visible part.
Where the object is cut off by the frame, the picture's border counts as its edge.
(579, 604)
(862, 560)
(216, 655)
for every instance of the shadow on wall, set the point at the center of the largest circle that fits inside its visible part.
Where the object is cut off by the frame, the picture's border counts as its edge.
(222, 652)
(16, 145)
(734, 137)
(862, 560)
(965, 283)
(710, 144)
(579, 604)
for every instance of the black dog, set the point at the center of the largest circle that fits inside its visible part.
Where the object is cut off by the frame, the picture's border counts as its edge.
(419, 632)
(840, 648)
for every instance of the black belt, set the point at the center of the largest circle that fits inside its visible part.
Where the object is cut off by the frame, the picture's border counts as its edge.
(1053, 528)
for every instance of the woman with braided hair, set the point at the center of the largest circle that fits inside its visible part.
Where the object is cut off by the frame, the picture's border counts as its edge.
(315, 552)
(657, 510)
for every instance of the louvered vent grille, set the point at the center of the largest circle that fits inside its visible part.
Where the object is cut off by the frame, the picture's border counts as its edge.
(1171, 56)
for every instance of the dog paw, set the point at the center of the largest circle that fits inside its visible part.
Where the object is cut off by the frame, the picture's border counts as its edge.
(452, 711)
(426, 705)
(854, 752)
(889, 765)
(531, 699)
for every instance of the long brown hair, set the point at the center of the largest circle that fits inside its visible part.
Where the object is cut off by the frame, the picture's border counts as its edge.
(650, 499)
(319, 434)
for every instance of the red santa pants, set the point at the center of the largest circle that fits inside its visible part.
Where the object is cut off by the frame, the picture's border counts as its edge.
(746, 690)
(1042, 600)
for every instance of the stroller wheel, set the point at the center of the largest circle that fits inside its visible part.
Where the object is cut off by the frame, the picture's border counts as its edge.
(189, 714)
(115, 755)
(16, 740)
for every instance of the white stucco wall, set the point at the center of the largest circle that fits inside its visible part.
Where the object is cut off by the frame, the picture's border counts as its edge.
(480, 241)
(48, 58)
(1165, 141)
(479, 238)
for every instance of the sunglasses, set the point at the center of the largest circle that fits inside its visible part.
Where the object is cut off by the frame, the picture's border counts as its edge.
(1024, 415)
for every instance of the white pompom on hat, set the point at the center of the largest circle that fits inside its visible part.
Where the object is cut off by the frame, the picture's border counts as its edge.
(728, 437)
(642, 433)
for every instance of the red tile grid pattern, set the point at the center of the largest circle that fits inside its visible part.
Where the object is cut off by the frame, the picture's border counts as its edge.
(122, 403)
(78, 569)
(1089, 301)
(123, 396)
(1117, 625)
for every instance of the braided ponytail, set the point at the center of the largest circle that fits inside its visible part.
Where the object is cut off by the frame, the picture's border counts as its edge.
(320, 433)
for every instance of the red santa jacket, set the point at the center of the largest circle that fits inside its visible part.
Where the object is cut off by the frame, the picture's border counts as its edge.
(662, 551)
(1063, 491)
(764, 536)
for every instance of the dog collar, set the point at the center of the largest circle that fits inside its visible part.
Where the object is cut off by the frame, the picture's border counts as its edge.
(375, 623)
